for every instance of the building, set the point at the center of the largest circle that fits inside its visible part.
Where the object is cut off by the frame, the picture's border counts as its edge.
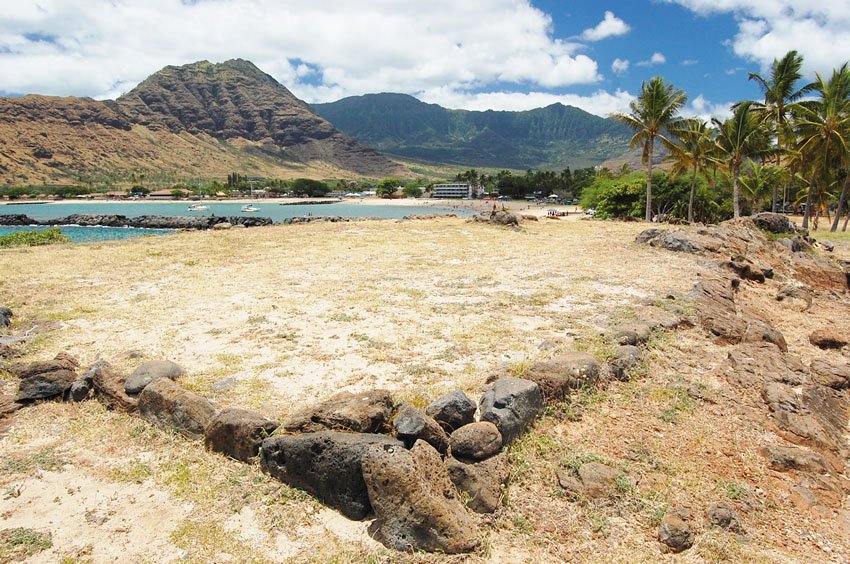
(452, 191)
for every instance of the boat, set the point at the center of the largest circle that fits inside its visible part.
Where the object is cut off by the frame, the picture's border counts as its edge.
(198, 207)
(250, 208)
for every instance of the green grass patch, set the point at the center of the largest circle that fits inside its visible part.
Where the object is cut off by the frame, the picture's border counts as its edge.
(18, 544)
(33, 237)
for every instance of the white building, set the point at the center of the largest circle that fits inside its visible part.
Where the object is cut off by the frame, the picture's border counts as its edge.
(452, 191)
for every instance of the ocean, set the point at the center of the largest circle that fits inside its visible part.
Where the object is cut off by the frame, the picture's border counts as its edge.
(268, 208)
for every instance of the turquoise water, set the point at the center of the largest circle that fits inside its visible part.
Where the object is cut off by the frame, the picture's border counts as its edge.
(93, 234)
(270, 209)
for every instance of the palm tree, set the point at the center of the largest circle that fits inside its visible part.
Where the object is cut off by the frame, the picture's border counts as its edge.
(756, 178)
(780, 97)
(824, 127)
(691, 152)
(739, 138)
(652, 112)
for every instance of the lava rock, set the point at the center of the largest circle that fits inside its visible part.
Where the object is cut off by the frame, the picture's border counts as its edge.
(675, 532)
(410, 425)
(476, 441)
(45, 385)
(832, 375)
(326, 464)
(149, 371)
(828, 338)
(783, 459)
(416, 505)
(722, 516)
(453, 410)
(483, 482)
(774, 222)
(109, 388)
(238, 433)
(593, 479)
(168, 406)
(512, 405)
(626, 357)
(366, 412)
(636, 334)
(559, 376)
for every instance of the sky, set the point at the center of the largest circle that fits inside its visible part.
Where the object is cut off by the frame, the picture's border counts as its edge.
(475, 54)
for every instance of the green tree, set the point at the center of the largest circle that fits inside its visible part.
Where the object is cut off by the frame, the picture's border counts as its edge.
(387, 187)
(691, 152)
(653, 112)
(780, 97)
(310, 187)
(758, 180)
(739, 138)
(412, 191)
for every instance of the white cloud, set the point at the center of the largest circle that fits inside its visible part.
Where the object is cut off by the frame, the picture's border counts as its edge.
(610, 26)
(619, 66)
(656, 59)
(689, 62)
(703, 109)
(600, 103)
(320, 50)
(767, 29)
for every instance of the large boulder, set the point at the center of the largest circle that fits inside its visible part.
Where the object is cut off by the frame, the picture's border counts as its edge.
(481, 482)
(670, 240)
(149, 371)
(819, 273)
(452, 410)
(718, 314)
(633, 334)
(476, 441)
(109, 388)
(626, 358)
(238, 433)
(774, 223)
(326, 464)
(784, 459)
(416, 505)
(27, 369)
(45, 385)
(675, 531)
(723, 516)
(830, 374)
(168, 406)
(512, 405)
(410, 425)
(829, 338)
(559, 376)
(366, 412)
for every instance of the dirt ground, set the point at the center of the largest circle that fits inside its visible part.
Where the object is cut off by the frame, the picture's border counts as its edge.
(273, 318)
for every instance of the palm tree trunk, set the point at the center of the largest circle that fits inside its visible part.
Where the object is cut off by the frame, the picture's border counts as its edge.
(649, 180)
(736, 192)
(691, 200)
(809, 198)
(840, 210)
(846, 221)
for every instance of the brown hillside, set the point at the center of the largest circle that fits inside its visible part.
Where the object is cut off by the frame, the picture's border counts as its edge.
(197, 120)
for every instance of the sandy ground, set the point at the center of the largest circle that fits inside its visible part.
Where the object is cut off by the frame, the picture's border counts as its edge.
(275, 317)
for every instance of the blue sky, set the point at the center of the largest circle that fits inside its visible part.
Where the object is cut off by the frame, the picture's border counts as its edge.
(478, 54)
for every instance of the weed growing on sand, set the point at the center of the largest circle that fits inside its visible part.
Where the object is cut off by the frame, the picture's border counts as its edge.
(207, 541)
(45, 459)
(20, 543)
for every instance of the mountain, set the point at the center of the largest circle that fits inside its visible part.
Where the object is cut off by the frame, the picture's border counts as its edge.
(200, 119)
(549, 138)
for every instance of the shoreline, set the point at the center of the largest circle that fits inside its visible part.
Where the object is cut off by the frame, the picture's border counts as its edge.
(516, 206)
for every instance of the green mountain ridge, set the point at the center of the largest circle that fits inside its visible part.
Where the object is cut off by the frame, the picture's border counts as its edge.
(553, 137)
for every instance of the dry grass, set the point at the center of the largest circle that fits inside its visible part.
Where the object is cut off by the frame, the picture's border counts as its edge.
(275, 317)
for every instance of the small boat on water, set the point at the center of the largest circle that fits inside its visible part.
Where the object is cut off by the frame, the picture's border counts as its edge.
(198, 207)
(247, 208)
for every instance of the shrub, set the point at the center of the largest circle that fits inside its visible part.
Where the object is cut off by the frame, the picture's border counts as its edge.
(33, 237)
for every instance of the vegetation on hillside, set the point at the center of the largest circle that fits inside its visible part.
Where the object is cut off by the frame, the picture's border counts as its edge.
(550, 137)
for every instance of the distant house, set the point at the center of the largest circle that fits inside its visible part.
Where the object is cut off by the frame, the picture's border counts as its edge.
(161, 195)
(452, 191)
